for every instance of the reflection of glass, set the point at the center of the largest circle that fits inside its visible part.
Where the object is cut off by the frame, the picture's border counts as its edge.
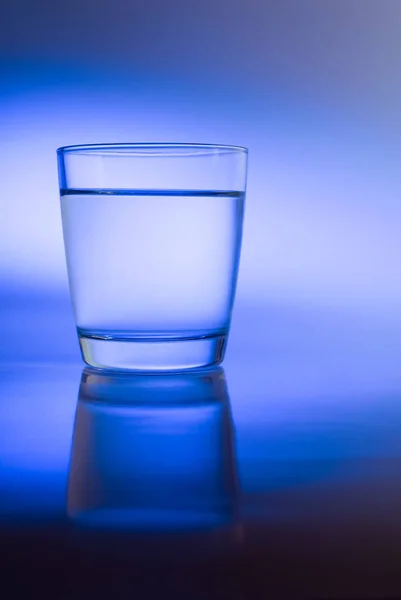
(153, 451)
(152, 236)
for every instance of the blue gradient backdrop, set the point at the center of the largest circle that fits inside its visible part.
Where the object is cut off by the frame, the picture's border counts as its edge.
(313, 89)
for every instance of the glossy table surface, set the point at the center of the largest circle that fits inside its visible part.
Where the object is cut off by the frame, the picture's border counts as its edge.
(279, 476)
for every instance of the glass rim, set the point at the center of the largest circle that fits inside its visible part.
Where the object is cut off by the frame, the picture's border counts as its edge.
(158, 148)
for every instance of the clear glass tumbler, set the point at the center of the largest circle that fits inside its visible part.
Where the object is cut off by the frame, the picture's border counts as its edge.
(152, 236)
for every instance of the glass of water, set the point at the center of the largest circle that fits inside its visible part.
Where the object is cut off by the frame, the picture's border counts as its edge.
(152, 235)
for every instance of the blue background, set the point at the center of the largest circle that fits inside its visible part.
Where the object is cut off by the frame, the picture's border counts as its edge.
(312, 88)
(313, 364)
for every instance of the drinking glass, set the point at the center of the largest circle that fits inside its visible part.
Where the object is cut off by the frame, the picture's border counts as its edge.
(152, 236)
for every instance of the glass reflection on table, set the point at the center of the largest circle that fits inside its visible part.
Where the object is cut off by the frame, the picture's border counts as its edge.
(153, 452)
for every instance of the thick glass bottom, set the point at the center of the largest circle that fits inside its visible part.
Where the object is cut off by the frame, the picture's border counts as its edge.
(153, 355)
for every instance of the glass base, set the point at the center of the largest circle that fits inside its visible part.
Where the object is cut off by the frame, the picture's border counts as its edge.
(153, 355)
